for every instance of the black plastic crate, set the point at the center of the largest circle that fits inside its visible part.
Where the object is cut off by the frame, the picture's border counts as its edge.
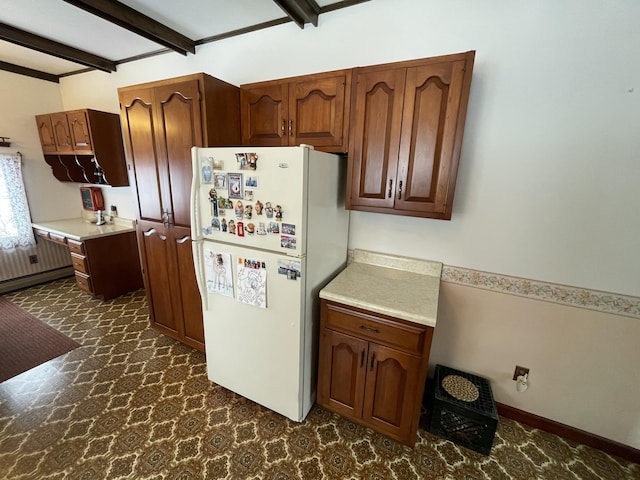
(471, 424)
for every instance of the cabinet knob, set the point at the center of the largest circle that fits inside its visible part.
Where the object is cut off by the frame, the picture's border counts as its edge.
(400, 190)
(290, 127)
(284, 124)
(390, 188)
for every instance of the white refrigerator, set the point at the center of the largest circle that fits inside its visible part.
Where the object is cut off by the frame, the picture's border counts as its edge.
(269, 231)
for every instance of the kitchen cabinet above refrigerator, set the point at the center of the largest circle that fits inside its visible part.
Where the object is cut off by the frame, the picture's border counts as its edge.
(84, 146)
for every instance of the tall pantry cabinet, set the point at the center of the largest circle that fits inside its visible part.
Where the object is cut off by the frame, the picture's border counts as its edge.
(161, 121)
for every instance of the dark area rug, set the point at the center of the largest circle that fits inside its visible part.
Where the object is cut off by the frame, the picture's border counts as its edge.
(26, 342)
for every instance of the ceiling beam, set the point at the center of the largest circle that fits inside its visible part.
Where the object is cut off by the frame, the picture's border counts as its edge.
(59, 50)
(138, 23)
(300, 11)
(29, 72)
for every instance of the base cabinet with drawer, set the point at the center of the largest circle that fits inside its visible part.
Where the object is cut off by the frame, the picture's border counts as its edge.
(107, 266)
(372, 369)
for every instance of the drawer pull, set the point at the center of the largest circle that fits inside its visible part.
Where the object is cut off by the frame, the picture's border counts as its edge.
(369, 329)
(373, 360)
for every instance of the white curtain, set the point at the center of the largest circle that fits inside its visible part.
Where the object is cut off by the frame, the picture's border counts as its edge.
(15, 219)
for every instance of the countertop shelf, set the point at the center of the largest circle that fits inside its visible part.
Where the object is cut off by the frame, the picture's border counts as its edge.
(80, 229)
(401, 287)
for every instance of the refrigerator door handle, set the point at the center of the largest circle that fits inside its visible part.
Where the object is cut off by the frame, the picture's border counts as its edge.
(193, 206)
(198, 261)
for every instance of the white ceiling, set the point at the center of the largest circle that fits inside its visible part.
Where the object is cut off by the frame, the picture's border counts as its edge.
(64, 23)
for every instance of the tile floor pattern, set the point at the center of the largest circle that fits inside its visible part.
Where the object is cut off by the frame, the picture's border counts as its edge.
(132, 403)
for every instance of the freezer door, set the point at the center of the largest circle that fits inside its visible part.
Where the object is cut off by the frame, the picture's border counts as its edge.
(256, 352)
(262, 208)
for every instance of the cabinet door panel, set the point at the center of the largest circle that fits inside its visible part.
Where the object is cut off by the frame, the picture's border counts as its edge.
(179, 116)
(316, 111)
(341, 372)
(432, 102)
(376, 120)
(190, 304)
(390, 390)
(138, 126)
(45, 131)
(61, 133)
(264, 115)
(156, 253)
(79, 129)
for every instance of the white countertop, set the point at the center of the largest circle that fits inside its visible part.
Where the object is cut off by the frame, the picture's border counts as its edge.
(401, 287)
(80, 229)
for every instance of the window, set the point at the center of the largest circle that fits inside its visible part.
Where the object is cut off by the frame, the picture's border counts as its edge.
(15, 219)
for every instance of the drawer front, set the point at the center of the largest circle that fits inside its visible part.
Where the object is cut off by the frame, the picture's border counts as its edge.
(84, 282)
(61, 239)
(371, 327)
(80, 263)
(76, 247)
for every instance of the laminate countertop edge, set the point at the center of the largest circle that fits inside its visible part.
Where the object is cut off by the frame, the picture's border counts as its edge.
(79, 229)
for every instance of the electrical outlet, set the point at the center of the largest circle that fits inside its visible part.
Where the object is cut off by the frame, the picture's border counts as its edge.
(33, 259)
(520, 371)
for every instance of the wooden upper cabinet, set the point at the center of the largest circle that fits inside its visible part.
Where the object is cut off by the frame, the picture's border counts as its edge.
(407, 126)
(84, 146)
(312, 110)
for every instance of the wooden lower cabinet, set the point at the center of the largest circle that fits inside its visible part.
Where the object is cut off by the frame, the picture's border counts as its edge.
(372, 369)
(107, 266)
(172, 291)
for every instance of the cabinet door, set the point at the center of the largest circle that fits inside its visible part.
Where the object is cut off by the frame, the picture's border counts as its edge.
(317, 112)
(138, 125)
(45, 131)
(341, 372)
(155, 248)
(375, 120)
(183, 273)
(264, 115)
(390, 391)
(61, 133)
(429, 123)
(178, 127)
(79, 129)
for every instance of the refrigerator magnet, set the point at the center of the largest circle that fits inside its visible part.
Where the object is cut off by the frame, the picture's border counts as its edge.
(251, 182)
(223, 225)
(207, 169)
(287, 241)
(288, 229)
(239, 210)
(215, 224)
(261, 229)
(217, 164)
(231, 225)
(248, 212)
(248, 195)
(278, 213)
(273, 228)
(235, 185)
(259, 207)
(251, 228)
(206, 230)
(240, 227)
(268, 210)
(220, 180)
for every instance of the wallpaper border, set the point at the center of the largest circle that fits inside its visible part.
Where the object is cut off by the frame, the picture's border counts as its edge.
(606, 302)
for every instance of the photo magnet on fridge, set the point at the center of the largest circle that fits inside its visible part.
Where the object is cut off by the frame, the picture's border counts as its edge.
(235, 185)
(220, 180)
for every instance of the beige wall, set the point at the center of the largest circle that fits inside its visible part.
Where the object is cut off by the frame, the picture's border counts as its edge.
(583, 363)
(547, 187)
